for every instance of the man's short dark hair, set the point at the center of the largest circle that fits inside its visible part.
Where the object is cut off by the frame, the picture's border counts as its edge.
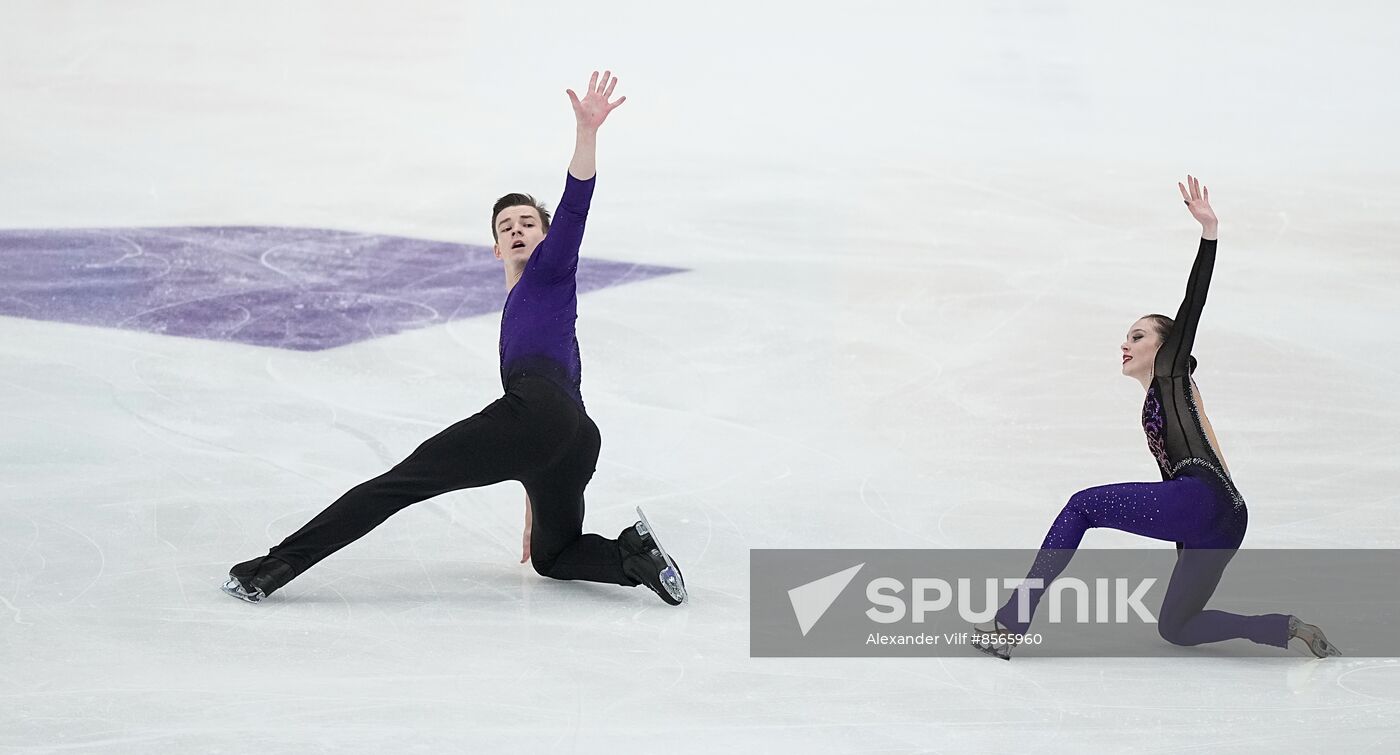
(518, 200)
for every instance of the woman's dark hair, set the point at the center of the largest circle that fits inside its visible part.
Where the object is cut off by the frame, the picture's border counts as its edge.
(518, 200)
(1163, 325)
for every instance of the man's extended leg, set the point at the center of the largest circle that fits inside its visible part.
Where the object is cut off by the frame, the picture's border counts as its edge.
(494, 445)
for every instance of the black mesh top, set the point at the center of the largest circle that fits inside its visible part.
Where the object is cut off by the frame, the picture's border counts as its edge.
(1170, 416)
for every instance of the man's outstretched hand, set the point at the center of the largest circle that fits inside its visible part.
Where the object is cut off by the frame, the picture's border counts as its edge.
(593, 109)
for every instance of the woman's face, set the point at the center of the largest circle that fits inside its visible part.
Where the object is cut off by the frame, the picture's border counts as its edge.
(1140, 349)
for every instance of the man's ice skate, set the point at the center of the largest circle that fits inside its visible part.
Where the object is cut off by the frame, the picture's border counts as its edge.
(993, 638)
(645, 561)
(256, 579)
(1316, 640)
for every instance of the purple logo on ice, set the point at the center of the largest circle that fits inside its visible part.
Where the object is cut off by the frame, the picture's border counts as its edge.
(289, 288)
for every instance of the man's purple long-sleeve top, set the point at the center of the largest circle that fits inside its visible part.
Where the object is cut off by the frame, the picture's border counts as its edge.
(537, 324)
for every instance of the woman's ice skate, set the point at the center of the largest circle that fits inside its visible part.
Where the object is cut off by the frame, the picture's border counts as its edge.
(1316, 640)
(995, 639)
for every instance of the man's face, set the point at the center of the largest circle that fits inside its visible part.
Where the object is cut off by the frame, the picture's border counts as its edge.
(518, 232)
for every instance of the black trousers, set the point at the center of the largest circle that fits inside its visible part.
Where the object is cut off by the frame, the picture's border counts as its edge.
(535, 434)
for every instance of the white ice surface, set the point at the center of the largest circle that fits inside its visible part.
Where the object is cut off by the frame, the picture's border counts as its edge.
(918, 232)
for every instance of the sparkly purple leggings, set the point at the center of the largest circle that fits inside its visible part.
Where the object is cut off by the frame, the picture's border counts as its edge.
(1191, 509)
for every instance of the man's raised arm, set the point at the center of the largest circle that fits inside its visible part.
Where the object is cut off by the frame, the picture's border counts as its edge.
(589, 113)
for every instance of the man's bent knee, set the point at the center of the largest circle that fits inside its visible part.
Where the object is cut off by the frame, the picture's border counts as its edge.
(544, 565)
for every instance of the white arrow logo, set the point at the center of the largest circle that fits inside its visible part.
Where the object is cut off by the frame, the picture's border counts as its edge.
(811, 600)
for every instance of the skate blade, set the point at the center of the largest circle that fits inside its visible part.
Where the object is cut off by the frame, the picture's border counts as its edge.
(1317, 643)
(232, 587)
(1323, 649)
(993, 628)
(1002, 653)
(670, 576)
(647, 530)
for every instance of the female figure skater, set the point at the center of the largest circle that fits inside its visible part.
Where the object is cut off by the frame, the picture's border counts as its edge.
(537, 434)
(1196, 504)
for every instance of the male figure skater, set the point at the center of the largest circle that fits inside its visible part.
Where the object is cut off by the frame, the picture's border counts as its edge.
(537, 433)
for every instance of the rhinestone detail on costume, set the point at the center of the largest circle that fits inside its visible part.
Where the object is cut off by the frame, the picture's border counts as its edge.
(1155, 427)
